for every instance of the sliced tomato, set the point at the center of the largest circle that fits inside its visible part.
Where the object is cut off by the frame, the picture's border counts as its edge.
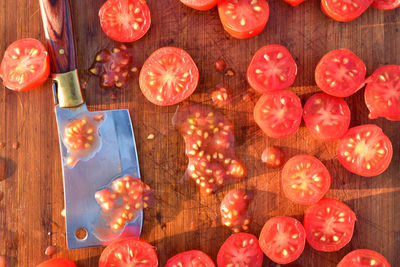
(243, 18)
(125, 20)
(234, 210)
(25, 65)
(272, 68)
(327, 117)
(382, 94)
(192, 258)
(363, 258)
(294, 2)
(329, 225)
(386, 4)
(129, 252)
(282, 239)
(365, 150)
(240, 250)
(340, 73)
(273, 157)
(58, 262)
(305, 179)
(278, 113)
(345, 10)
(168, 76)
(200, 4)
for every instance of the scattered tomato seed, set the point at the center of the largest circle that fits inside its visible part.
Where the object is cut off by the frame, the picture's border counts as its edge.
(15, 145)
(229, 72)
(50, 250)
(150, 137)
(63, 213)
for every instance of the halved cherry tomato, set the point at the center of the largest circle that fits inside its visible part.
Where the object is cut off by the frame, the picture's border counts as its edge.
(273, 157)
(305, 179)
(278, 113)
(386, 4)
(340, 73)
(240, 250)
(363, 258)
(168, 76)
(344, 10)
(200, 4)
(192, 258)
(271, 68)
(382, 94)
(327, 117)
(234, 210)
(125, 20)
(25, 65)
(243, 18)
(329, 225)
(365, 150)
(294, 2)
(282, 239)
(129, 252)
(59, 262)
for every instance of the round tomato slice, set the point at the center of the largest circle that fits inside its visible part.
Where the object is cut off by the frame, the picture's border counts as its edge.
(200, 4)
(329, 225)
(282, 239)
(125, 20)
(272, 68)
(327, 117)
(363, 258)
(240, 250)
(25, 65)
(386, 4)
(305, 179)
(294, 2)
(243, 18)
(382, 94)
(278, 113)
(344, 10)
(59, 262)
(168, 76)
(365, 150)
(340, 73)
(129, 252)
(192, 258)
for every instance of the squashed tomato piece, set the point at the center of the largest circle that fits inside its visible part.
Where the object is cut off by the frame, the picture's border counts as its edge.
(240, 250)
(168, 76)
(327, 117)
(282, 239)
(129, 252)
(294, 2)
(363, 258)
(25, 65)
(192, 258)
(386, 4)
(210, 143)
(273, 157)
(329, 225)
(305, 179)
(340, 73)
(125, 20)
(58, 262)
(278, 113)
(234, 210)
(365, 150)
(382, 94)
(344, 10)
(200, 4)
(222, 95)
(243, 18)
(271, 68)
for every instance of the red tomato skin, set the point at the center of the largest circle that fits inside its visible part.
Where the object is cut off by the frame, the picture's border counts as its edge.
(386, 4)
(338, 16)
(294, 2)
(197, 254)
(201, 5)
(58, 262)
(350, 260)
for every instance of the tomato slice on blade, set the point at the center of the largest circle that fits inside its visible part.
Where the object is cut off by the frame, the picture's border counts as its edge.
(168, 76)
(327, 117)
(272, 68)
(365, 150)
(192, 258)
(282, 239)
(363, 258)
(240, 250)
(25, 65)
(344, 10)
(200, 4)
(125, 20)
(243, 18)
(382, 94)
(329, 225)
(386, 4)
(58, 262)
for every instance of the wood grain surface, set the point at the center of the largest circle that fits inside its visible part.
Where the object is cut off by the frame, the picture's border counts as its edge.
(31, 197)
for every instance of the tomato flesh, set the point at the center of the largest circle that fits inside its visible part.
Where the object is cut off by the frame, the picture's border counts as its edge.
(273, 157)
(282, 239)
(125, 20)
(271, 68)
(278, 113)
(294, 2)
(382, 94)
(234, 210)
(192, 258)
(240, 250)
(200, 4)
(243, 18)
(327, 117)
(340, 73)
(25, 65)
(168, 76)
(58, 262)
(345, 10)
(386, 4)
(329, 225)
(363, 258)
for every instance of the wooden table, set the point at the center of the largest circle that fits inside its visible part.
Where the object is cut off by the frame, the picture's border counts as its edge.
(181, 218)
